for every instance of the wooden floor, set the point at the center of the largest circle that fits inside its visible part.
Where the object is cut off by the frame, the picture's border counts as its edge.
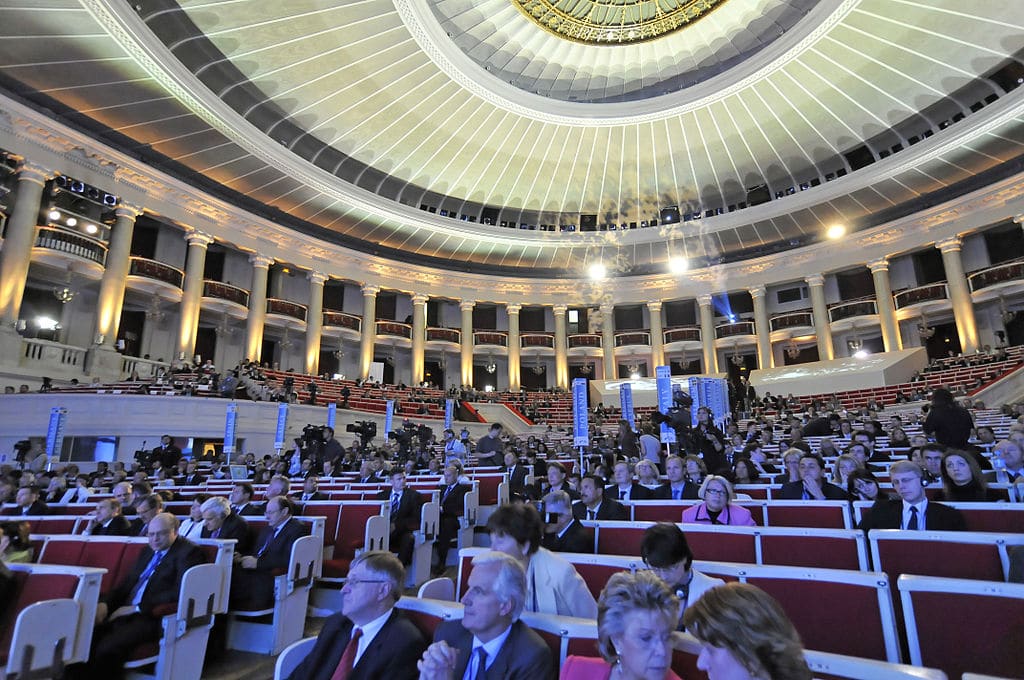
(234, 665)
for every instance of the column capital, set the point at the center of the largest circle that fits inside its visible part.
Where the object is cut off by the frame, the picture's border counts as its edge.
(127, 210)
(33, 172)
(317, 278)
(1019, 219)
(559, 310)
(949, 245)
(257, 260)
(607, 307)
(467, 305)
(420, 299)
(199, 238)
(369, 291)
(879, 265)
(513, 309)
(704, 300)
(757, 292)
(815, 280)
(654, 307)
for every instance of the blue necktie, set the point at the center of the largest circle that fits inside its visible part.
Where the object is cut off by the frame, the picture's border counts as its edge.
(140, 588)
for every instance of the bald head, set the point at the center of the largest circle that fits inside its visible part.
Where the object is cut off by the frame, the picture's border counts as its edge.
(162, 531)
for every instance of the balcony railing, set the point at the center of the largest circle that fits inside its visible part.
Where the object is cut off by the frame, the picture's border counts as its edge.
(728, 330)
(444, 334)
(584, 340)
(343, 320)
(791, 320)
(913, 296)
(225, 291)
(686, 334)
(537, 340)
(48, 355)
(499, 338)
(286, 308)
(158, 271)
(632, 338)
(72, 243)
(394, 328)
(848, 310)
(1001, 273)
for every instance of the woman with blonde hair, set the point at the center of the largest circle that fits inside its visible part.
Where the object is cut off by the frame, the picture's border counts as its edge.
(745, 635)
(636, 615)
(647, 474)
(843, 468)
(718, 506)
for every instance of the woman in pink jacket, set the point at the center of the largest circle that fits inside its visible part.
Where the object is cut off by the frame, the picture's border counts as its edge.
(718, 506)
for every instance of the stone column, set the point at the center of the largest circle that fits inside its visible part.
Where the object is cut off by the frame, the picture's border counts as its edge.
(466, 363)
(820, 310)
(959, 294)
(419, 336)
(761, 328)
(369, 330)
(17, 245)
(514, 361)
(314, 320)
(707, 334)
(257, 306)
(608, 341)
(561, 348)
(886, 307)
(657, 335)
(193, 292)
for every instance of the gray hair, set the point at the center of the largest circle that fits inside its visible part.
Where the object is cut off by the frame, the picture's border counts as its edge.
(510, 583)
(730, 495)
(384, 565)
(558, 499)
(217, 505)
(629, 592)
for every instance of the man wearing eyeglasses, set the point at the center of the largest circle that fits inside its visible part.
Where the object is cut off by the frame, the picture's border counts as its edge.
(368, 638)
(252, 581)
(665, 551)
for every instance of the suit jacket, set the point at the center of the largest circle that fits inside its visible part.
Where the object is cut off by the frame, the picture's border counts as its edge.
(664, 492)
(574, 495)
(393, 653)
(316, 496)
(637, 492)
(191, 480)
(234, 527)
(38, 507)
(557, 588)
(888, 514)
(609, 509)
(252, 510)
(119, 526)
(137, 527)
(165, 584)
(454, 503)
(574, 540)
(794, 491)
(278, 549)
(524, 656)
(517, 477)
(372, 479)
(408, 516)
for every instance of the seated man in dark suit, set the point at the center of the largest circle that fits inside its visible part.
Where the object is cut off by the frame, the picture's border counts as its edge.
(624, 488)
(557, 480)
(678, 487)
(241, 501)
(453, 506)
(562, 531)
(366, 475)
(405, 515)
(913, 510)
(252, 586)
(148, 507)
(490, 634)
(387, 644)
(191, 477)
(812, 485)
(593, 505)
(220, 522)
(131, 614)
(310, 490)
(29, 503)
(517, 473)
(108, 520)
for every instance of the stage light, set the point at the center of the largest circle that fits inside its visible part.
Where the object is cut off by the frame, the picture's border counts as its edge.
(54, 215)
(91, 229)
(597, 271)
(836, 231)
(678, 265)
(71, 221)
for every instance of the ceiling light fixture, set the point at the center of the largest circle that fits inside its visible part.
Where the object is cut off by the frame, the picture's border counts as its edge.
(836, 231)
(678, 265)
(597, 271)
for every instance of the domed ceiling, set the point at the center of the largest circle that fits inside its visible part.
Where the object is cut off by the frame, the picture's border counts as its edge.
(415, 129)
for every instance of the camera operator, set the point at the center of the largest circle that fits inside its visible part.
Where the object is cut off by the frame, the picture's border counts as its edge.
(332, 449)
(708, 441)
(366, 430)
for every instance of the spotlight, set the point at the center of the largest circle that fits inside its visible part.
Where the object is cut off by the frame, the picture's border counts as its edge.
(45, 323)
(836, 231)
(71, 221)
(109, 200)
(94, 193)
(62, 181)
(678, 265)
(54, 215)
(860, 354)
(91, 228)
(78, 187)
(597, 271)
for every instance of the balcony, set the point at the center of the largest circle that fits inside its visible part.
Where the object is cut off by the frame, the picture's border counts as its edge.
(438, 334)
(497, 338)
(155, 278)
(848, 310)
(732, 330)
(684, 334)
(584, 340)
(920, 296)
(226, 298)
(395, 329)
(790, 321)
(286, 308)
(58, 245)
(342, 320)
(532, 340)
(995, 280)
(633, 338)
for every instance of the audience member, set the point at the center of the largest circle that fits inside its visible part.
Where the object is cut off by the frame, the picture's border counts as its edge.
(452, 508)
(962, 480)
(490, 448)
(28, 502)
(947, 421)
(912, 511)
(678, 487)
(405, 515)
(812, 484)
(107, 520)
(252, 586)
(624, 488)
(241, 500)
(220, 522)
(667, 554)
(147, 508)
(16, 542)
(557, 480)
(593, 505)
(862, 485)
(562, 531)
(718, 506)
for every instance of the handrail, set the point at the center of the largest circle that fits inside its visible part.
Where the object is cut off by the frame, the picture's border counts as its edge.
(682, 334)
(852, 308)
(71, 242)
(791, 320)
(156, 270)
(632, 338)
(499, 338)
(225, 291)
(286, 308)
(438, 333)
(1001, 273)
(395, 328)
(929, 293)
(342, 320)
(728, 330)
(584, 340)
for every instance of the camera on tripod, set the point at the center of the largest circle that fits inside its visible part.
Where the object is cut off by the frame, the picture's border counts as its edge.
(366, 430)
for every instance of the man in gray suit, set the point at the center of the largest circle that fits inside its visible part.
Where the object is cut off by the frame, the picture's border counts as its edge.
(490, 634)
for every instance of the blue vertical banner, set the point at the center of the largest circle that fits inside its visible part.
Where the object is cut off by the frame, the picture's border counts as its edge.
(626, 403)
(389, 414)
(332, 414)
(663, 380)
(55, 434)
(229, 428)
(581, 428)
(712, 393)
(282, 425)
(449, 410)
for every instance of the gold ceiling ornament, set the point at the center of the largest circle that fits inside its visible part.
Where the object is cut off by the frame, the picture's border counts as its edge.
(614, 22)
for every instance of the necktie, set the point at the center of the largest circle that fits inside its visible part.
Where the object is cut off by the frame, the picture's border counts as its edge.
(677, 494)
(140, 588)
(348, 657)
(266, 543)
(912, 524)
(590, 514)
(216, 533)
(622, 495)
(477, 669)
(395, 499)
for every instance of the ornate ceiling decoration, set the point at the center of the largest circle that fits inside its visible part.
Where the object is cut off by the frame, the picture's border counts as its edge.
(606, 22)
